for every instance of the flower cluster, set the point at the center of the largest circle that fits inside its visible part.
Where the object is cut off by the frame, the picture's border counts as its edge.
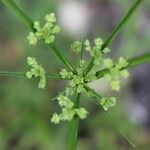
(78, 81)
(115, 71)
(76, 46)
(108, 102)
(78, 78)
(47, 32)
(95, 51)
(68, 110)
(36, 71)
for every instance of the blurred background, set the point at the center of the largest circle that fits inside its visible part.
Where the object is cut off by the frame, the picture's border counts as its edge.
(25, 110)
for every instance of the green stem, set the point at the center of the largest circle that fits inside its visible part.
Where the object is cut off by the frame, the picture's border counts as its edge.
(19, 13)
(29, 23)
(133, 62)
(50, 76)
(122, 23)
(97, 99)
(60, 56)
(12, 74)
(73, 131)
(115, 32)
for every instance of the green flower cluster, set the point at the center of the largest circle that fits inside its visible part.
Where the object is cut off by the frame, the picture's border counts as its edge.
(108, 102)
(36, 71)
(115, 71)
(78, 78)
(95, 51)
(68, 110)
(76, 46)
(47, 32)
(66, 74)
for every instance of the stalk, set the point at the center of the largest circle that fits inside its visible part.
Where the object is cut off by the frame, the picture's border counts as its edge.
(61, 56)
(73, 131)
(50, 76)
(19, 13)
(115, 32)
(97, 99)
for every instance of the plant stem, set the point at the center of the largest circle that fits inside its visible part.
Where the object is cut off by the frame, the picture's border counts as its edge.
(97, 99)
(29, 23)
(12, 74)
(122, 23)
(50, 76)
(132, 63)
(19, 13)
(115, 32)
(73, 131)
(60, 56)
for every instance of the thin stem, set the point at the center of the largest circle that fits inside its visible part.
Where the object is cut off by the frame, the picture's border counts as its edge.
(73, 131)
(29, 23)
(81, 53)
(97, 99)
(61, 56)
(53, 76)
(115, 32)
(50, 76)
(122, 23)
(19, 13)
(12, 74)
(133, 62)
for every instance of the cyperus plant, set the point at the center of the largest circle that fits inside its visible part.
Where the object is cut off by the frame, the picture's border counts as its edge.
(79, 76)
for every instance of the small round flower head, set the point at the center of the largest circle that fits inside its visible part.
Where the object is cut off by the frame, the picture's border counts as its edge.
(87, 45)
(50, 17)
(29, 74)
(31, 61)
(47, 32)
(108, 63)
(49, 39)
(122, 63)
(32, 38)
(55, 118)
(66, 74)
(95, 51)
(56, 29)
(36, 25)
(81, 112)
(64, 101)
(42, 82)
(115, 72)
(108, 102)
(98, 42)
(76, 46)
(36, 71)
(124, 73)
(67, 114)
(106, 50)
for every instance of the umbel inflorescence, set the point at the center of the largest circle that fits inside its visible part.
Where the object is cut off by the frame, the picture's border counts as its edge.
(47, 32)
(78, 77)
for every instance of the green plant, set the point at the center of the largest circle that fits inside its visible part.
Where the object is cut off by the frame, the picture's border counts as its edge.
(80, 75)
